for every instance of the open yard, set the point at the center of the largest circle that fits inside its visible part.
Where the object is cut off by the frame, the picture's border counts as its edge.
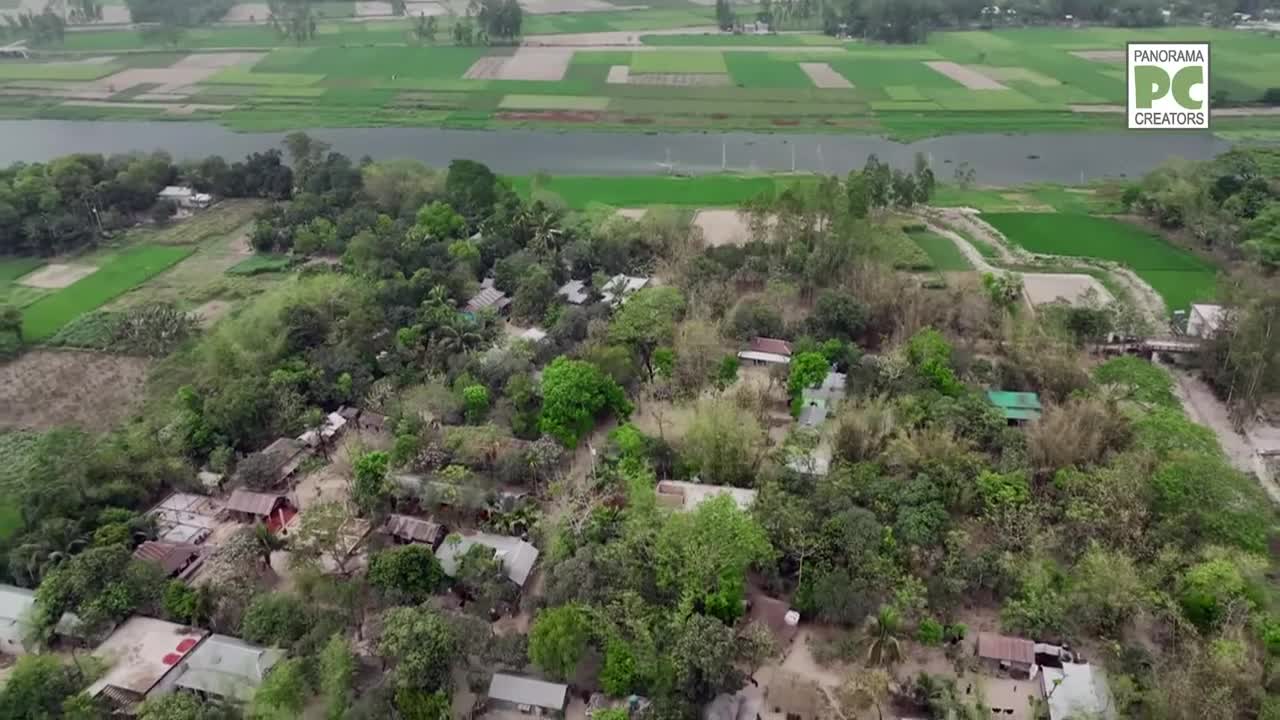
(1180, 277)
(373, 74)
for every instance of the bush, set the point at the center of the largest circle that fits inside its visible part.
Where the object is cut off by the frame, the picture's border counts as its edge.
(930, 632)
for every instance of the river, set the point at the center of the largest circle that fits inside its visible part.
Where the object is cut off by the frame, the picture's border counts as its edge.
(996, 159)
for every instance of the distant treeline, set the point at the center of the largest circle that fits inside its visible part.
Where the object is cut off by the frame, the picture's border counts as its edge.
(73, 201)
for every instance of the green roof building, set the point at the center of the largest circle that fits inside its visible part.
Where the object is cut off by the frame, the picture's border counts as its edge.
(1016, 407)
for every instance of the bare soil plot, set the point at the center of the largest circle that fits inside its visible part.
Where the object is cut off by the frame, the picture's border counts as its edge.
(823, 76)
(44, 389)
(619, 75)
(488, 67)
(632, 213)
(97, 60)
(681, 79)
(372, 8)
(424, 9)
(56, 275)
(211, 312)
(540, 7)
(217, 61)
(965, 75)
(722, 227)
(533, 63)
(1109, 56)
(172, 80)
(1045, 288)
(247, 12)
(115, 15)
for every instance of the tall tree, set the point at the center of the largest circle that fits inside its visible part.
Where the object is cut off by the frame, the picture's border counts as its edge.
(420, 645)
(558, 638)
(647, 321)
(573, 394)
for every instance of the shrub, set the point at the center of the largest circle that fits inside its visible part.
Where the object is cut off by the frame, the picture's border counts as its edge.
(930, 632)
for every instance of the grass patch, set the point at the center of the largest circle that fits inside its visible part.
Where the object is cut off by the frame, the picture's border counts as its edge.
(74, 72)
(261, 264)
(703, 191)
(377, 62)
(722, 40)
(553, 102)
(245, 76)
(943, 253)
(12, 268)
(675, 61)
(17, 451)
(120, 274)
(1177, 275)
(758, 70)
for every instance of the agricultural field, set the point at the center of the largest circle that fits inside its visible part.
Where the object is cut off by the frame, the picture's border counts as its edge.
(579, 192)
(372, 74)
(942, 252)
(1178, 276)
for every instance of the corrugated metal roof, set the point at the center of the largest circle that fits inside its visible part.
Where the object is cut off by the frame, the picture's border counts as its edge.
(228, 667)
(527, 691)
(488, 297)
(771, 345)
(1077, 690)
(1007, 399)
(574, 291)
(253, 503)
(170, 557)
(1008, 649)
(516, 555)
(412, 528)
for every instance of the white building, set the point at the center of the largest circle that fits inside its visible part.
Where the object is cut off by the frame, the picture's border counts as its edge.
(574, 291)
(16, 606)
(620, 287)
(142, 656)
(185, 197)
(227, 668)
(1205, 320)
(1077, 690)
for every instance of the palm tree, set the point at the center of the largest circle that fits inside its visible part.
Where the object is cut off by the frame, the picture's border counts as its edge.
(267, 542)
(885, 648)
(458, 336)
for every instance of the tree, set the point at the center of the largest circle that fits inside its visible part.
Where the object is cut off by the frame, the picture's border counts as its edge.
(884, 648)
(292, 19)
(408, 574)
(723, 443)
(337, 676)
(37, 687)
(282, 693)
(369, 488)
(864, 690)
(534, 294)
(704, 555)
(558, 638)
(323, 532)
(277, 618)
(11, 321)
(724, 15)
(421, 645)
(808, 369)
(703, 659)
(1106, 589)
(475, 400)
(471, 189)
(646, 321)
(574, 393)
(102, 585)
(838, 315)
(184, 706)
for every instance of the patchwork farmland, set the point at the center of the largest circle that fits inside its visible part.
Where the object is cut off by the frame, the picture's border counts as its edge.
(613, 74)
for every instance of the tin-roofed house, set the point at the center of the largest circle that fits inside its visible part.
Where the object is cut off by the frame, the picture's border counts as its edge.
(516, 556)
(621, 287)
(175, 560)
(574, 292)
(407, 530)
(272, 509)
(226, 668)
(143, 655)
(488, 297)
(1077, 690)
(1016, 656)
(1017, 407)
(527, 695)
(279, 460)
(767, 351)
(16, 606)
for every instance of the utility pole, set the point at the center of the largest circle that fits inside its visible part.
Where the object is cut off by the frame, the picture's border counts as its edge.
(724, 155)
(793, 157)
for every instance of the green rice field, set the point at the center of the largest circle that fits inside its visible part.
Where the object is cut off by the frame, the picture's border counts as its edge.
(1180, 277)
(943, 253)
(117, 274)
(372, 74)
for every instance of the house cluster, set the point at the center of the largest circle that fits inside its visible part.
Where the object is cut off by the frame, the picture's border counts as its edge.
(516, 555)
(1069, 686)
(614, 292)
(146, 657)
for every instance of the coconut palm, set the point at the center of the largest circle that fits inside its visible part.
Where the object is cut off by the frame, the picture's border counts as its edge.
(885, 648)
(459, 336)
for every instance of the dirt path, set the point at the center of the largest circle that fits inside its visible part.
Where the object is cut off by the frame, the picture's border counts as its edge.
(1202, 406)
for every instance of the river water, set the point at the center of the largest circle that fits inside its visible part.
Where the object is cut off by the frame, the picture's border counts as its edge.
(996, 159)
